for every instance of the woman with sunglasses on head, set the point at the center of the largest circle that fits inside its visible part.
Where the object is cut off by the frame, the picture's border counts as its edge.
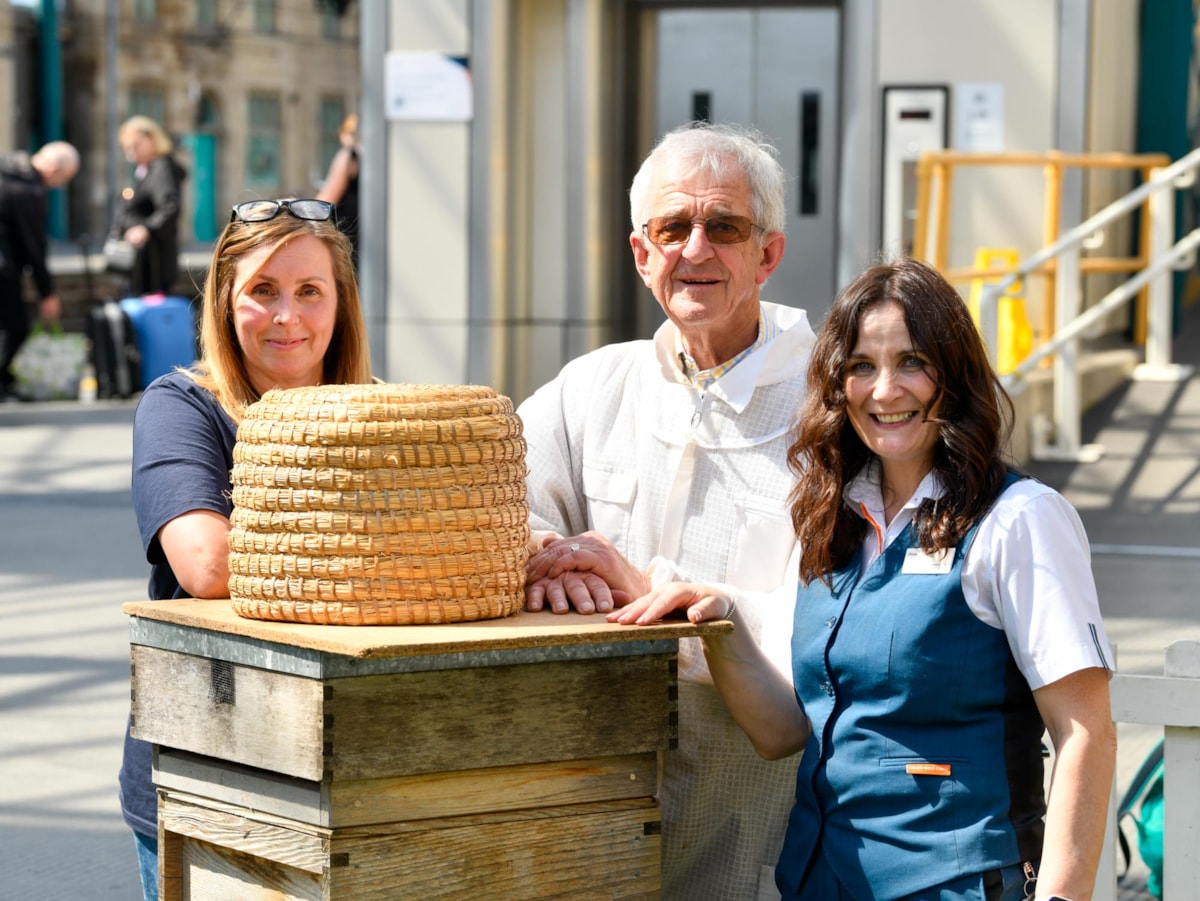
(946, 616)
(280, 310)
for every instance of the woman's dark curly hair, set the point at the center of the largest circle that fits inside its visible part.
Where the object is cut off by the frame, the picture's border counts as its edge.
(971, 409)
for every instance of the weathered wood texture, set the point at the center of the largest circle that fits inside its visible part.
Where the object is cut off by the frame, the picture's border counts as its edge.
(464, 771)
(500, 716)
(427, 796)
(585, 851)
(403, 723)
(251, 716)
(522, 630)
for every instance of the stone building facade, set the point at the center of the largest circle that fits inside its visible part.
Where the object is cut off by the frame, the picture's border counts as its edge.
(252, 91)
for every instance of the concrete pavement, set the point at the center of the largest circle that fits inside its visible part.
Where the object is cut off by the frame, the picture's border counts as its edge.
(70, 555)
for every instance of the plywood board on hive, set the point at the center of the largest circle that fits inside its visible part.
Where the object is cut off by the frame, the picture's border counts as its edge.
(523, 630)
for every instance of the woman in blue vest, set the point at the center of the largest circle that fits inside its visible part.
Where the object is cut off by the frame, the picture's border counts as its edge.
(946, 615)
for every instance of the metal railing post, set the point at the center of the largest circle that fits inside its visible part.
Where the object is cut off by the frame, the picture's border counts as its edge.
(1066, 442)
(1160, 318)
(989, 320)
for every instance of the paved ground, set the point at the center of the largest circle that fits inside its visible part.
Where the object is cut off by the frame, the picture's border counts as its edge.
(69, 556)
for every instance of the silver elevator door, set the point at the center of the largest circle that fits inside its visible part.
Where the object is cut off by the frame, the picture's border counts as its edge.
(777, 70)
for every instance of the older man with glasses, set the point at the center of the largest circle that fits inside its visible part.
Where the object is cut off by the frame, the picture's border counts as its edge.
(665, 459)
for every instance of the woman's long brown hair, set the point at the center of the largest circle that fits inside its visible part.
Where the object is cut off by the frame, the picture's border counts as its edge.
(971, 409)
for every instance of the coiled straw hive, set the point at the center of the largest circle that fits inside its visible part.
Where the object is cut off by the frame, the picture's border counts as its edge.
(379, 505)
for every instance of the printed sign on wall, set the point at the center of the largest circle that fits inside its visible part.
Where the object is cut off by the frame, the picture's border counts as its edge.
(427, 87)
(979, 117)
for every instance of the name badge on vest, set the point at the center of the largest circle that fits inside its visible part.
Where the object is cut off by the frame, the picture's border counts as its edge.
(919, 563)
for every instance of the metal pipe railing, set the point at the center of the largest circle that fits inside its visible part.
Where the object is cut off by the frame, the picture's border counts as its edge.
(1110, 303)
(1070, 323)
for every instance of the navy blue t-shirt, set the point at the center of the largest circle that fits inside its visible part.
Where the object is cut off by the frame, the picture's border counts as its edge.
(182, 461)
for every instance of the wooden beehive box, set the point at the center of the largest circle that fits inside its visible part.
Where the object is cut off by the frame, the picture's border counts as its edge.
(511, 758)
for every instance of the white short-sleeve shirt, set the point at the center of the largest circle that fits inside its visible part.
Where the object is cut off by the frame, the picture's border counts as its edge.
(1028, 572)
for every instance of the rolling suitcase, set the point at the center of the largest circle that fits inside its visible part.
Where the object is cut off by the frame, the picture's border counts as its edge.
(114, 352)
(165, 334)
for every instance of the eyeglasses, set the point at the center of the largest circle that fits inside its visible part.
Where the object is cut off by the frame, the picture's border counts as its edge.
(266, 210)
(667, 230)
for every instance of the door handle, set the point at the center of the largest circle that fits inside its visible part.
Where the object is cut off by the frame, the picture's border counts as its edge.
(810, 152)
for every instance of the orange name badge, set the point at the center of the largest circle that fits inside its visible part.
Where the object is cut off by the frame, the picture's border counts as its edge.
(927, 769)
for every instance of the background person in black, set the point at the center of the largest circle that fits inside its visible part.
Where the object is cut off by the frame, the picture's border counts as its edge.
(341, 182)
(24, 181)
(148, 215)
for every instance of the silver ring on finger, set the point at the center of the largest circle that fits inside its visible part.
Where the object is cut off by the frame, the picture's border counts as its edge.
(574, 546)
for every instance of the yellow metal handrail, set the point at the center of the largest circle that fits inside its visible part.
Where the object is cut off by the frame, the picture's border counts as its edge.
(935, 175)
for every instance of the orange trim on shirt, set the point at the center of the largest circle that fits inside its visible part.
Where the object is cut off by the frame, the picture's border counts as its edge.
(878, 531)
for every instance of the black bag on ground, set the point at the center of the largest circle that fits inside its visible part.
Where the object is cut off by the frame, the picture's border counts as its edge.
(114, 351)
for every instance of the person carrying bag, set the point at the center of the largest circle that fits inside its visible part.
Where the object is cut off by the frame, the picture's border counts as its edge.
(148, 216)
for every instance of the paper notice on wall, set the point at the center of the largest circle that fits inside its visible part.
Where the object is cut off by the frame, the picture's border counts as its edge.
(427, 87)
(979, 116)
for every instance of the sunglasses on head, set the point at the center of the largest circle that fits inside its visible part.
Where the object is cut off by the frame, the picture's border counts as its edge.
(667, 230)
(265, 210)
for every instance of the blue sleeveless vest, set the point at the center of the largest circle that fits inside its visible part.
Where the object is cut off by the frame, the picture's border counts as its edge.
(924, 763)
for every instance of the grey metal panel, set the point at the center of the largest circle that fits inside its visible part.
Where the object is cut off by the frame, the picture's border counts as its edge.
(861, 152)
(705, 52)
(798, 56)
(372, 188)
(487, 135)
(1071, 106)
(757, 64)
(313, 664)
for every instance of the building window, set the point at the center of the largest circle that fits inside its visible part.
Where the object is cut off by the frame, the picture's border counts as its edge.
(206, 13)
(264, 142)
(148, 102)
(207, 117)
(145, 10)
(330, 20)
(333, 111)
(264, 16)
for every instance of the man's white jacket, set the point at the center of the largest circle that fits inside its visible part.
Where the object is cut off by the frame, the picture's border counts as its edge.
(693, 485)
